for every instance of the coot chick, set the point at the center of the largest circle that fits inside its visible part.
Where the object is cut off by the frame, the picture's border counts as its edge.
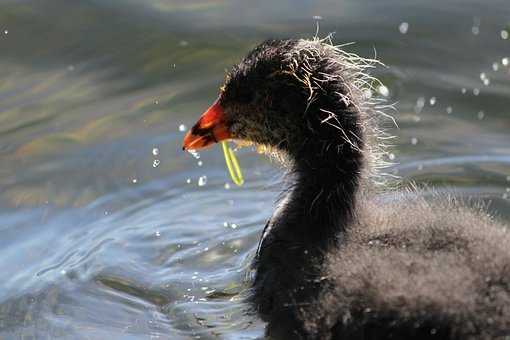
(337, 261)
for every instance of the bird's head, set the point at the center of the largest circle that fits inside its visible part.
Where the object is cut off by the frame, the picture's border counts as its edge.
(286, 95)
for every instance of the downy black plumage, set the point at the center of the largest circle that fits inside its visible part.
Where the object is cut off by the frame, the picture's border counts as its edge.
(337, 261)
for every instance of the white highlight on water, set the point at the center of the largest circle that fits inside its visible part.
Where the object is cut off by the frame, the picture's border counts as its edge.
(155, 151)
(182, 128)
(504, 34)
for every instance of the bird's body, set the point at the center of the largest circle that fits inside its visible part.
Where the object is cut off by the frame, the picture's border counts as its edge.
(337, 261)
(405, 268)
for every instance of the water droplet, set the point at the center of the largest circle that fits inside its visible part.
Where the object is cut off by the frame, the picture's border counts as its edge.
(227, 186)
(495, 66)
(134, 180)
(480, 115)
(188, 180)
(225, 224)
(182, 128)
(414, 140)
(505, 61)
(156, 102)
(317, 17)
(156, 163)
(383, 90)
(504, 34)
(202, 180)
(155, 151)
(476, 91)
(505, 196)
(63, 272)
(484, 79)
(403, 27)
(194, 153)
(420, 103)
(475, 30)
(6, 32)
(367, 93)
(449, 110)
(199, 163)
(432, 101)
(233, 226)
(158, 234)
(463, 90)
(420, 167)
(391, 156)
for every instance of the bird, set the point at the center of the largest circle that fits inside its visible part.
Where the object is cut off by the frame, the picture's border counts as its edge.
(346, 254)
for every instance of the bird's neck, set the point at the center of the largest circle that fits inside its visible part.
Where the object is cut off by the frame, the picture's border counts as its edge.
(320, 205)
(309, 221)
(313, 216)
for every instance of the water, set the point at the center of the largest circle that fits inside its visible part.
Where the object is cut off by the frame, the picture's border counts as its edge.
(109, 230)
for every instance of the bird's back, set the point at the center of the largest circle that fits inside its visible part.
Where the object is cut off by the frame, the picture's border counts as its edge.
(415, 270)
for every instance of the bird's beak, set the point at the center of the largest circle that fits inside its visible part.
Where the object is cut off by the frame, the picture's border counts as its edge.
(209, 129)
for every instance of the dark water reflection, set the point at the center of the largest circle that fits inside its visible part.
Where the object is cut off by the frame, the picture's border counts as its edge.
(97, 242)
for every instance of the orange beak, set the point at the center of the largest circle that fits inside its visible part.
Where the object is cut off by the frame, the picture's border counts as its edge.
(209, 129)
